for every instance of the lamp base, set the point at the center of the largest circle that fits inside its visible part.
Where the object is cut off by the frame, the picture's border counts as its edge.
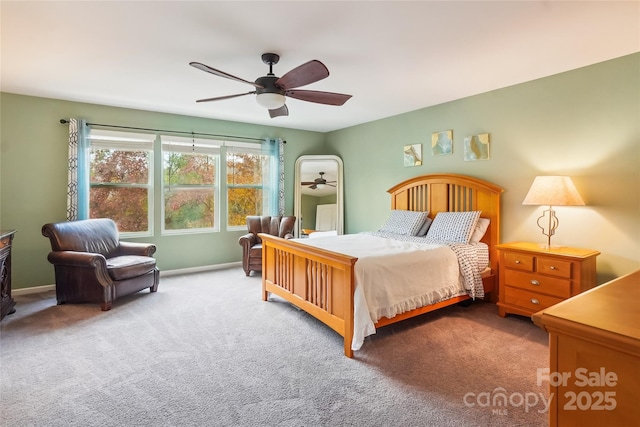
(548, 246)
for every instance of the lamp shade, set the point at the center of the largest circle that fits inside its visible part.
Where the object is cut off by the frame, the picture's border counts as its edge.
(553, 191)
(272, 101)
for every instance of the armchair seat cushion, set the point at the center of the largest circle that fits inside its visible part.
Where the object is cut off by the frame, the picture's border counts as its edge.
(256, 251)
(129, 266)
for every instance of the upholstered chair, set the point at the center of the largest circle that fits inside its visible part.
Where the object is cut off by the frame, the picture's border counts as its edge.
(281, 226)
(92, 265)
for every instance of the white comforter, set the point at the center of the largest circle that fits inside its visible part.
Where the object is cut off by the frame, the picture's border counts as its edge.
(394, 276)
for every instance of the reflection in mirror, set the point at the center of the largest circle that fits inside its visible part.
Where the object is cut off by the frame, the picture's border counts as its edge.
(318, 195)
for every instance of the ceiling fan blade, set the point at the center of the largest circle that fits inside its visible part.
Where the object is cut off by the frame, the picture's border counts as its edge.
(319, 97)
(313, 187)
(307, 183)
(282, 111)
(219, 73)
(218, 98)
(304, 74)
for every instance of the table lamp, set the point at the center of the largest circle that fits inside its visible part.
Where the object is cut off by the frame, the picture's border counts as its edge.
(552, 191)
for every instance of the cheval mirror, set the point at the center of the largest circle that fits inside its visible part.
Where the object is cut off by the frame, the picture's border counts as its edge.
(318, 195)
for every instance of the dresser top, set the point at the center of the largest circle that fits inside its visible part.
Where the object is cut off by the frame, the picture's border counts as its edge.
(543, 250)
(613, 307)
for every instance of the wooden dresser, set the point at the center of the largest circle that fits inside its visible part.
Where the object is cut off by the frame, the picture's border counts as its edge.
(532, 277)
(6, 302)
(594, 344)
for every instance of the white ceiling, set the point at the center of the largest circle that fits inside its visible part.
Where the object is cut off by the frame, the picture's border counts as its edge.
(392, 56)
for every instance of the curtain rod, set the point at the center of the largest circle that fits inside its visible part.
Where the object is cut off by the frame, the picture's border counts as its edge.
(65, 121)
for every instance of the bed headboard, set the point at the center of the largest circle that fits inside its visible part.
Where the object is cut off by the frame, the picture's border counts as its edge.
(453, 193)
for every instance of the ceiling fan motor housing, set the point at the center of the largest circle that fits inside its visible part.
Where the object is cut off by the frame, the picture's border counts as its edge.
(268, 84)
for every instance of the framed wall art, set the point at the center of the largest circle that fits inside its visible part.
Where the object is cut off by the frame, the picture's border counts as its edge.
(476, 147)
(413, 155)
(442, 143)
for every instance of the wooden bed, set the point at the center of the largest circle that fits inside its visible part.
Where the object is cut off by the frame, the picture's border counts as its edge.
(322, 283)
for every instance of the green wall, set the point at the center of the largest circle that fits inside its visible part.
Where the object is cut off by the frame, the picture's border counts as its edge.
(33, 179)
(584, 123)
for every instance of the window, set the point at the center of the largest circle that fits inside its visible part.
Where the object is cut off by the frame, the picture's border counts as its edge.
(189, 181)
(199, 185)
(247, 182)
(120, 179)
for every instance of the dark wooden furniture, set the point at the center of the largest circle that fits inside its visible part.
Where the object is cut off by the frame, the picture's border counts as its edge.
(6, 241)
(594, 355)
(532, 277)
(93, 265)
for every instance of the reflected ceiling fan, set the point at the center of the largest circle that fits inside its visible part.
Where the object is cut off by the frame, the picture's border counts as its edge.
(271, 90)
(319, 183)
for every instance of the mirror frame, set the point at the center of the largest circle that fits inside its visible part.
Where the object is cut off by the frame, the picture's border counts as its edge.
(339, 190)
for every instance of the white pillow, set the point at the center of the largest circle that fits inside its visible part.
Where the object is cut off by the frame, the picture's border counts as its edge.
(480, 230)
(425, 227)
(453, 227)
(407, 223)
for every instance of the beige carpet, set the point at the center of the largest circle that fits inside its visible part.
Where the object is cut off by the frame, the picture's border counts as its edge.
(205, 350)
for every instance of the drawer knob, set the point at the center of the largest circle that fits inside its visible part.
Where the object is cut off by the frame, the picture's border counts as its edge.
(534, 301)
(535, 282)
(518, 261)
(552, 268)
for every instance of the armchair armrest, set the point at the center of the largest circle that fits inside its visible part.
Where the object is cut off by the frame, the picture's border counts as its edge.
(97, 262)
(134, 248)
(288, 236)
(78, 259)
(248, 240)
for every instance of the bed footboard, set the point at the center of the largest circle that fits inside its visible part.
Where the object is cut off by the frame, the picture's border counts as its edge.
(318, 281)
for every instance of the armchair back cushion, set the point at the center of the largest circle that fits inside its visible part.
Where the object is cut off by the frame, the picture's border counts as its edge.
(280, 226)
(98, 236)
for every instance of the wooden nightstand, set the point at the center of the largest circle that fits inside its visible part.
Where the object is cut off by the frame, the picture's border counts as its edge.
(532, 277)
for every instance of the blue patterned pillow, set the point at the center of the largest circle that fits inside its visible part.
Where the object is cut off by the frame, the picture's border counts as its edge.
(454, 227)
(407, 223)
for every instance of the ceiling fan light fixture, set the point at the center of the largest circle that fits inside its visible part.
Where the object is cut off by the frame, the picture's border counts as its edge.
(271, 101)
(320, 186)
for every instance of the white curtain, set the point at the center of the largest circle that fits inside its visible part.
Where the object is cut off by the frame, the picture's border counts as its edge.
(78, 185)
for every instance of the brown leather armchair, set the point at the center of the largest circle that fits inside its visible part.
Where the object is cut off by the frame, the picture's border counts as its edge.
(281, 226)
(92, 265)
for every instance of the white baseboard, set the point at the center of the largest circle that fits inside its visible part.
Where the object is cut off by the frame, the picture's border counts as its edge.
(177, 272)
(200, 269)
(33, 290)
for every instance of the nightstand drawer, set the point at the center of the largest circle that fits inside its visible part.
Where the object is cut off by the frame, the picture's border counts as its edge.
(554, 267)
(519, 261)
(529, 300)
(560, 288)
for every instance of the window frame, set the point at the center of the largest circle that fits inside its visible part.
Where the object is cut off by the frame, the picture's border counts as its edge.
(209, 147)
(248, 148)
(103, 139)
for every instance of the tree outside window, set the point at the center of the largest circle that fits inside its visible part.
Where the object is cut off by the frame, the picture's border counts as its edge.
(121, 187)
(246, 167)
(189, 176)
(120, 179)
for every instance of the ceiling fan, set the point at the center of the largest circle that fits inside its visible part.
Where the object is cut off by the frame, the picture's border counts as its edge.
(319, 183)
(271, 91)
